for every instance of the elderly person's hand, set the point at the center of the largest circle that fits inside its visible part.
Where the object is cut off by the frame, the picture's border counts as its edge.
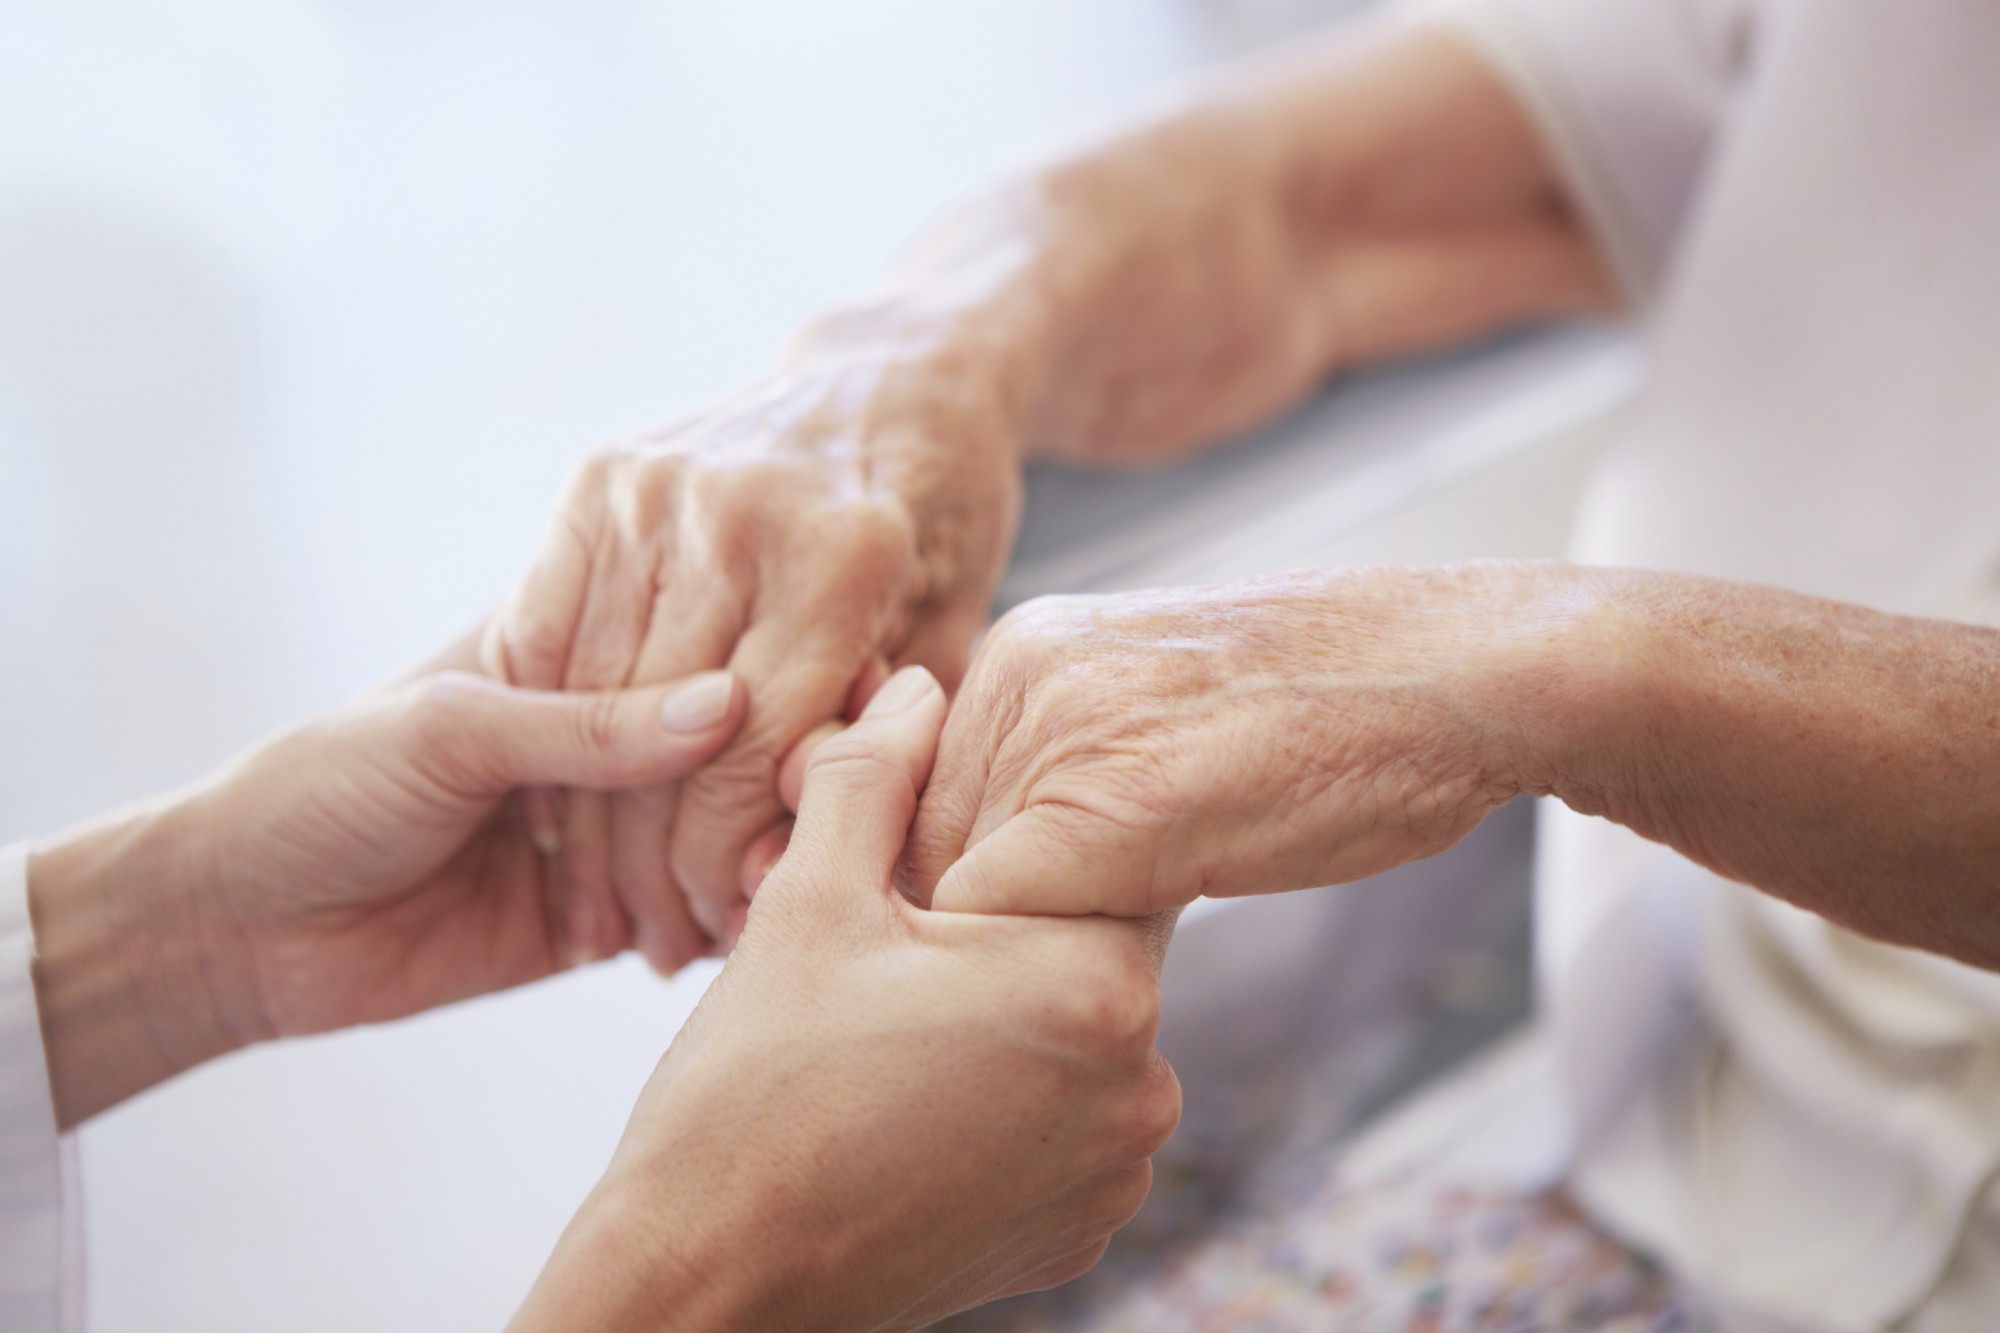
(878, 1115)
(852, 511)
(365, 866)
(1126, 754)
(1376, 194)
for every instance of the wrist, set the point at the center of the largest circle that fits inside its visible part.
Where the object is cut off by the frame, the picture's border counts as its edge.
(126, 961)
(1567, 684)
(970, 314)
(636, 1259)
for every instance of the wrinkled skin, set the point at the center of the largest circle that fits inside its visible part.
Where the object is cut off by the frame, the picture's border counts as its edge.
(1352, 200)
(1126, 754)
(809, 532)
(879, 1115)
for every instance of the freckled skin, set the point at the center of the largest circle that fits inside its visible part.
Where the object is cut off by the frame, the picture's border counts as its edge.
(1123, 754)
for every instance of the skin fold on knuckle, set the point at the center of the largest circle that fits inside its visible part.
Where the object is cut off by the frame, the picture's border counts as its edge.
(598, 725)
(741, 781)
(653, 495)
(859, 765)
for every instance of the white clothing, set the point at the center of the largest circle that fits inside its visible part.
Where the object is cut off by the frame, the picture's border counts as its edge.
(1803, 198)
(41, 1224)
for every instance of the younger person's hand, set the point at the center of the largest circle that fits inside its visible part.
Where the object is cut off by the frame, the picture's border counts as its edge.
(878, 1115)
(365, 866)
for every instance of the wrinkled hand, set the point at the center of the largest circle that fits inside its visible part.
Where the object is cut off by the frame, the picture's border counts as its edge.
(878, 1115)
(1127, 754)
(368, 865)
(844, 516)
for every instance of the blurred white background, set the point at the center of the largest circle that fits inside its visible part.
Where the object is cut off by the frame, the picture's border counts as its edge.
(306, 307)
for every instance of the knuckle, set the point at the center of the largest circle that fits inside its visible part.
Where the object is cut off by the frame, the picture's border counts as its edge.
(658, 487)
(594, 472)
(596, 723)
(1123, 1195)
(443, 707)
(741, 778)
(1045, 625)
(536, 640)
(1111, 1012)
(443, 714)
(855, 761)
(863, 544)
(1156, 1110)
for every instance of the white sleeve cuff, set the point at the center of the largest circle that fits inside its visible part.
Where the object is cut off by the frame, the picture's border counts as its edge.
(1631, 97)
(41, 1218)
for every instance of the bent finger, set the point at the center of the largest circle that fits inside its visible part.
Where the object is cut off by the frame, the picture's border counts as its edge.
(1054, 860)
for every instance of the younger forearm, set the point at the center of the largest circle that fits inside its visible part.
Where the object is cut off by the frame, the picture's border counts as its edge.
(1841, 758)
(123, 966)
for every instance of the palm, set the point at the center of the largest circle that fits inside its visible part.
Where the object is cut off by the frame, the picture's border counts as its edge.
(476, 923)
(375, 864)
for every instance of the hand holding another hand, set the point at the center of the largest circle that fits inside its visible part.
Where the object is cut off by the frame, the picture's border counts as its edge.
(878, 1115)
(851, 512)
(1127, 754)
(362, 867)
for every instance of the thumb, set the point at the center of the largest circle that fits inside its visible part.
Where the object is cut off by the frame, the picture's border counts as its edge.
(495, 737)
(860, 788)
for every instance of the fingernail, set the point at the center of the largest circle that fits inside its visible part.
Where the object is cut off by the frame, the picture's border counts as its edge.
(905, 688)
(699, 704)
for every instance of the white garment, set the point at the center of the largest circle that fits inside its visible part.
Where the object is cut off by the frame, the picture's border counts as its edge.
(1803, 197)
(41, 1224)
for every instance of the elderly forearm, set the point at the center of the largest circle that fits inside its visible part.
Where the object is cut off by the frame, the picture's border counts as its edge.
(1376, 193)
(1841, 758)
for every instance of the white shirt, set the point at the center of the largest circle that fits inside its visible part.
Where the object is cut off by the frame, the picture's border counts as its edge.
(41, 1224)
(1804, 200)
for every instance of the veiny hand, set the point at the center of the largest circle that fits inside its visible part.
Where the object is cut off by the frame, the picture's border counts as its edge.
(878, 1115)
(849, 513)
(1127, 754)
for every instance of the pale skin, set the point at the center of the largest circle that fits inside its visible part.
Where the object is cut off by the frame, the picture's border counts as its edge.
(850, 514)
(1371, 195)
(1126, 754)
(877, 1117)
(363, 867)
(1378, 193)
